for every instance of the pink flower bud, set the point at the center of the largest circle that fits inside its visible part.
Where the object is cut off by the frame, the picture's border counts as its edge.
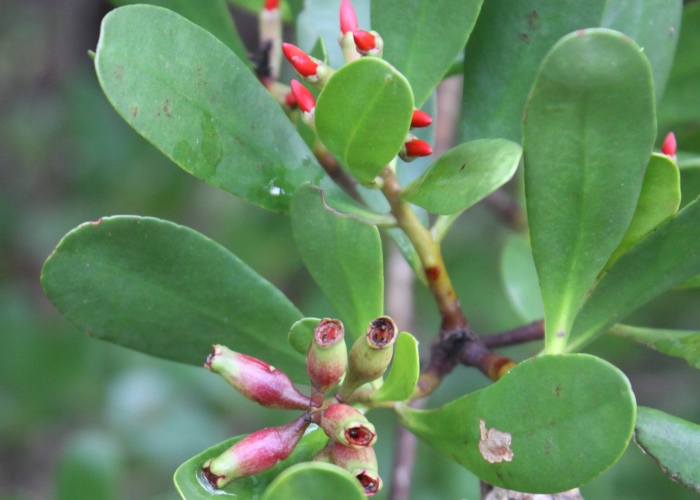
(669, 146)
(256, 380)
(347, 425)
(255, 453)
(272, 4)
(370, 356)
(364, 40)
(361, 463)
(303, 97)
(348, 18)
(301, 61)
(327, 358)
(420, 119)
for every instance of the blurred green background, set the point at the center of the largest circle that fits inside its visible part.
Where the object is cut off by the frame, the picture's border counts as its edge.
(83, 419)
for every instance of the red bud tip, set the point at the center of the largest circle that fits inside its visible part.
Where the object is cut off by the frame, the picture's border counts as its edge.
(416, 147)
(669, 146)
(303, 97)
(290, 100)
(348, 18)
(272, 4)
(420, 119)
(299, 59)
(364, 40)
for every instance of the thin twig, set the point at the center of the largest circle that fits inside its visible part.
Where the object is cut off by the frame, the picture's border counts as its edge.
(525, 333)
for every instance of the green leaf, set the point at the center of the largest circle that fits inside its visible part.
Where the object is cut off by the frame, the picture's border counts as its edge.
(508, 44)
(693, 282)
(168, 291)
(569, 418)
(344, 256)
(588, 135)
(405, 369)
(679, 343)
(465, 175)
(192, 485)
(190, 96)
(520, 279)
(654, 25)
(672, 443)
(302, 333)
(658, 202)
(666, 257)
(212, 15)
(363, 114)
(681, 102)
(422, 38)
(314, 480)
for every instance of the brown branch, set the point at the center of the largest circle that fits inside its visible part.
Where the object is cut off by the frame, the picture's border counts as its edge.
(525, 333)
(405, 457)
(332, 167)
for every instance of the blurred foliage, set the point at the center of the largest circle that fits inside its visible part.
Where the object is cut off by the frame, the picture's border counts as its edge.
(82, 419)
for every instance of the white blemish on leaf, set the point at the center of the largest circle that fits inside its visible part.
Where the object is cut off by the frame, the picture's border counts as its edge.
(494, 445)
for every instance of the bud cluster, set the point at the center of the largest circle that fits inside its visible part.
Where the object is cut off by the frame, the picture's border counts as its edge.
(329, 366)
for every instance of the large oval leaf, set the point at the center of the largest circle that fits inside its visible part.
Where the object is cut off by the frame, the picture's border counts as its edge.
(588, 135)
(343, 255)
(314, 480)
(665, 258)
(465, 175)
(189, 95)
(520, 279)
(680, 343)
(424, 43)
(363, 114)
(551, 424)
(507, 46)
(192, 485)
(168, 291)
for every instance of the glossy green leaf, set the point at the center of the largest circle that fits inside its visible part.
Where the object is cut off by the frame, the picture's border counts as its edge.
(505, 50)
(344, 256)
(212, 15)
(363, 114)
(465, 175)
(687, 160)
(422, 38)
(314, 480)
(551, 424)
(302, 334)
(192, 485)
(679, 343)
(405, 369)
(681, 102)
(588, 135)
(658, 202)
(190, 96)
(666, 257)
(520, 279)
(693, 282)
(168, 291)
(654, 25)
(672, 443)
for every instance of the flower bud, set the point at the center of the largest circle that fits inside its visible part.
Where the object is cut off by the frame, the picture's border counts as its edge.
(420, 119)
(368, 43)
(255, 453)
(256, 380)
(361, 463)
(669, 146)
(327, 358)
(348, 18)
(311, 69)
(370, 356)
(414, 148)
(347, 425)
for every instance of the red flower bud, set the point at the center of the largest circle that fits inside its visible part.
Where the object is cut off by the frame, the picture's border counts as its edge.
(420, 119)
(361, 463)
(364, 40)
(256, 380)
(272, 4)
(255, 453)
(348, 18)
(327, 358)
(303, 97)
(290, 100)
(669, 146)
(416, 148)
(370, 356)
(300, 60)
(347, 425)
